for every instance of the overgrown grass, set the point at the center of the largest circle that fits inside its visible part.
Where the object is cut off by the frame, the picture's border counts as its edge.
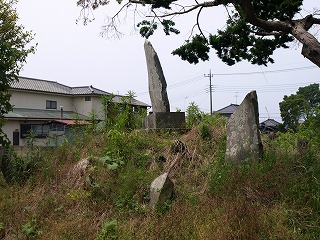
(276, 198)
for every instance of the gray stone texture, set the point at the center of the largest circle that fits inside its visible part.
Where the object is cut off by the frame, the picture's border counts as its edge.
(161, 189)
(243, 136)
(156, 80)
(161, 120)
(76, 177)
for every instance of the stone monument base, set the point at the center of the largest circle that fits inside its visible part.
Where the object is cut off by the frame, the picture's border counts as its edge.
(164, 120)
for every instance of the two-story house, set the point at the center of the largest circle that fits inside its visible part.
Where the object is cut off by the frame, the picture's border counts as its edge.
(41, 105)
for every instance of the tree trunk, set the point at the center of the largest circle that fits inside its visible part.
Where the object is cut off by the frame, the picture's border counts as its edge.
(311, 46)
(312, 53)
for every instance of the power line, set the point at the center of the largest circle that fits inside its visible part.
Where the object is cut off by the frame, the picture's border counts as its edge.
(239, 89)
(198, 77)
(179, 84)
(264, 88)
(183, 95)
(265, 72)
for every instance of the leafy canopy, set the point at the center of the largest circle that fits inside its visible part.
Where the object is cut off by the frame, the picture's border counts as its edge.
(14, 49)
(304, 105)
(254, 29)
(241, 40)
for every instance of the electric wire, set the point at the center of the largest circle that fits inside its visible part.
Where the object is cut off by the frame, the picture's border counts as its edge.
(266, 72)
(200, 77)
(204, 89)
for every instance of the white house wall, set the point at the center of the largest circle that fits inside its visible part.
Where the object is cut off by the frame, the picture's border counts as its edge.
(32, 100)
(79, 105)
(97, 106)
(37, 100)
(85, 107)
(12, 126)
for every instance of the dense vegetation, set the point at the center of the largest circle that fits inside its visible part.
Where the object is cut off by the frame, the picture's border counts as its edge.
(14, 49)
(51, 198)
(302, 106)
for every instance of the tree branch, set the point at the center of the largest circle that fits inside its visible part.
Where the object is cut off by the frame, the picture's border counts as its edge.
(198, 24)
(309, 21)
(250, 17)
(267, 33)
(316, 20)
(192, 8)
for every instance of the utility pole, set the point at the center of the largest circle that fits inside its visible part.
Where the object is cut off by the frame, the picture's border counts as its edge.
(210, 86)
(236, 97)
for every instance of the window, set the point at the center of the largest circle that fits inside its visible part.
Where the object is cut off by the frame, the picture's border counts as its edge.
(56, 127)
(39, 131)
(87, 98)
(51, 104)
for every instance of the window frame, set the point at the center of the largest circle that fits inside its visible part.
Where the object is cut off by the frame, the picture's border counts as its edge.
(50, 104)
(41, 131)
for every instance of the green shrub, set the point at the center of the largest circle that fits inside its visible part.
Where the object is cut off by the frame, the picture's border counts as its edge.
(193, 115)
(109, 231)
(205, 132)
(30, 229)
(19, 167)
(111, 163)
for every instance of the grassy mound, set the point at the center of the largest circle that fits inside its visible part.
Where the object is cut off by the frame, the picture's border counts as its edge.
(54, 196)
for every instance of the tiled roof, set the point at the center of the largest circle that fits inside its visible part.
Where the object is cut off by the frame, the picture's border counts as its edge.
(32, 84)
(54, 87)
(42, 114)
(72, 122)
(87, 90)
(40, 85)
(270, 123)
(134, 102)
(229, 109)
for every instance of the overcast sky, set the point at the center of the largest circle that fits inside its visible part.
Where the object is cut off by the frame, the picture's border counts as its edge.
(76, 55)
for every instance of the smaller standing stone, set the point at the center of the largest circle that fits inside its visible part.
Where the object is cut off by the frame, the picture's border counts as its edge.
(243, 136)
(161, 189)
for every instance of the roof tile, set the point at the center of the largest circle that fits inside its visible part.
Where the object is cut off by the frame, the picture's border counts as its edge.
(42, 114)
(32, 84)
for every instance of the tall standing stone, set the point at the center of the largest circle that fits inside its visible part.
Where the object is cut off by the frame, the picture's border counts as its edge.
(243, 136)
(156, 80)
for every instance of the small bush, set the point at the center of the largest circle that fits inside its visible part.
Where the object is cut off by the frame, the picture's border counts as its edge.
(205, 132)
(17, 168)
(109, 231)
(30, 229)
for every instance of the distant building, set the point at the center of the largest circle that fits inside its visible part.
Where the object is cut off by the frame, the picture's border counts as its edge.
(269, 125)
(50, 108)
(228, 110)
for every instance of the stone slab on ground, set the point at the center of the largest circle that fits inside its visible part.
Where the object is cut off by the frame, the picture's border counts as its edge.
(161, 189)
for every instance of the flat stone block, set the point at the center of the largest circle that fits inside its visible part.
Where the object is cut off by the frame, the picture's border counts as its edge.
(159, 120)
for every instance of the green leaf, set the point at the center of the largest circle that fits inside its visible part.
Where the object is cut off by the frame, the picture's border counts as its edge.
(194, 50)
(105, 159)
(113, 166)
